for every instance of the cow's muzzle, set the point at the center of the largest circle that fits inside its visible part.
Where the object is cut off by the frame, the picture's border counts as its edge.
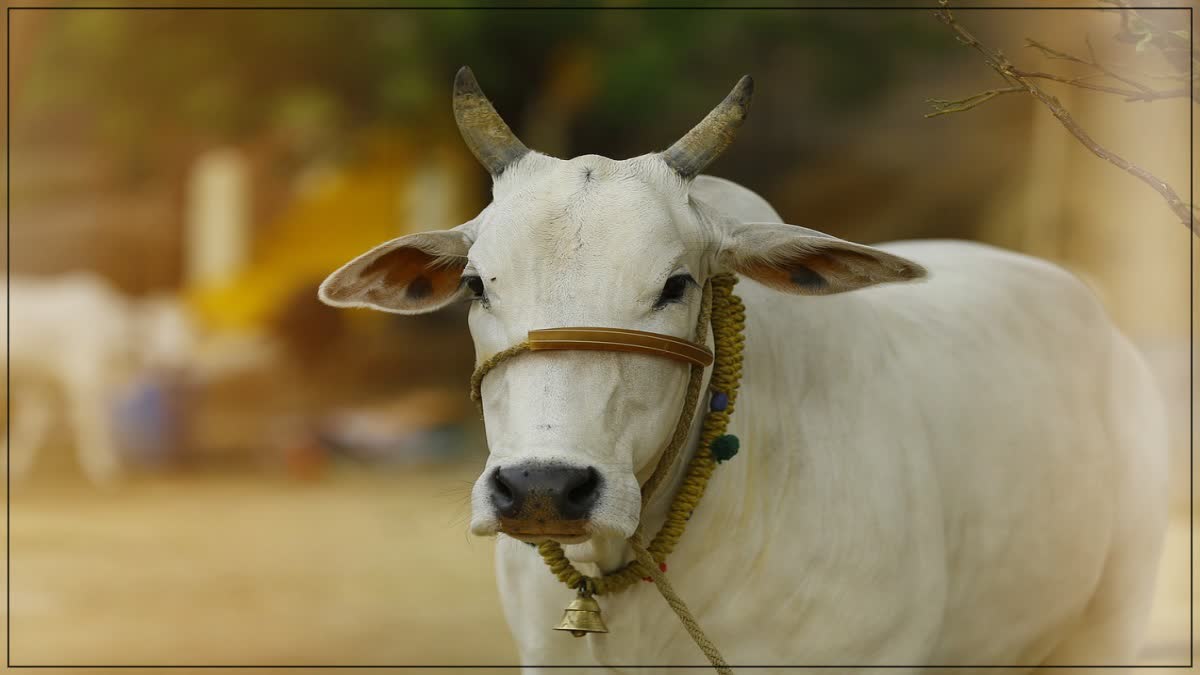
(544, 500)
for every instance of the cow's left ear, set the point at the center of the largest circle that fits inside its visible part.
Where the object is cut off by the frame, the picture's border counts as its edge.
(799, 260)
(414, 274)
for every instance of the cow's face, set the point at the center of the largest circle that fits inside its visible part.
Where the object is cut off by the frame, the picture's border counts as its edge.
(585, 242)
(588, 242)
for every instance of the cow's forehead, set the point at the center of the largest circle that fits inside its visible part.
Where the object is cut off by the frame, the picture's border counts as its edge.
(573, 213)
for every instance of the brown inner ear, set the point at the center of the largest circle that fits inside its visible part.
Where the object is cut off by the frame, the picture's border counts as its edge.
(812, 273)
(816, 273)
(411, 272)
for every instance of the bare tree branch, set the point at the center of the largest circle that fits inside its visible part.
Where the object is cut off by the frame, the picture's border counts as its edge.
(1018, 80)
(943, 106)
(1143, 93)
(1129, 94)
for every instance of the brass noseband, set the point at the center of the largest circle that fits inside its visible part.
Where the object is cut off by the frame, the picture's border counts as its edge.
(620, 340)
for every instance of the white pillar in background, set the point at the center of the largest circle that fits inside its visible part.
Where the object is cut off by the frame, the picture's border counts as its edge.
(428, 200)
(217, 217)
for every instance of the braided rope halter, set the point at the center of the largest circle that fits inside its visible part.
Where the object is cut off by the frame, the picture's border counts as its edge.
(727, 315)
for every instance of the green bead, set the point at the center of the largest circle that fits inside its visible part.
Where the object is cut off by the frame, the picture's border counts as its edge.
(723, 448)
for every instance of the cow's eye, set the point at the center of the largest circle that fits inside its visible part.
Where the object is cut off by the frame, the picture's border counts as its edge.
(674, 290)
(475, 284)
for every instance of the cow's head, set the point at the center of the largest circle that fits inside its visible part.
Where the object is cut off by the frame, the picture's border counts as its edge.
(588, 241)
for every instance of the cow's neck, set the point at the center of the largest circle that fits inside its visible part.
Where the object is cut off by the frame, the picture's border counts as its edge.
(729, 498)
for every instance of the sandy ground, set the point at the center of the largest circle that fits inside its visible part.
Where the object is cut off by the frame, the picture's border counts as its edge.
(357, 569)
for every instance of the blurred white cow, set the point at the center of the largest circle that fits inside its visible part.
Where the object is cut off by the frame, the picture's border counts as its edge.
(78, 338)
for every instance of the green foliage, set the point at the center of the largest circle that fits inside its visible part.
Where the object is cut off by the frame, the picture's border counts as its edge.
(148, 75)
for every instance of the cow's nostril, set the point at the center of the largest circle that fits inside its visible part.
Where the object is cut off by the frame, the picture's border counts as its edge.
(501, 488)
(583, 495)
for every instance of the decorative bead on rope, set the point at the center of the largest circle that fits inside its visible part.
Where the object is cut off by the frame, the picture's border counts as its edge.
(724, 447)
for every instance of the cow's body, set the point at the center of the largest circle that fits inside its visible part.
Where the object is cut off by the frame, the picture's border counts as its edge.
(965, 470)
(950, 456)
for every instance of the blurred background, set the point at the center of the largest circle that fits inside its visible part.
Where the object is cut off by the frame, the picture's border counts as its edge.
(209, 466)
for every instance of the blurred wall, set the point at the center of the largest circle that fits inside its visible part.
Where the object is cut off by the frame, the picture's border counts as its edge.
(112, 109)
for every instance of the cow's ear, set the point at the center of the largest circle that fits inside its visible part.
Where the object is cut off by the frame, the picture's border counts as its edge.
(803, 261)
(411, 275)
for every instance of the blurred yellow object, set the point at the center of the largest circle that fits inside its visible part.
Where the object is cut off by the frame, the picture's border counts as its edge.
(336, 217)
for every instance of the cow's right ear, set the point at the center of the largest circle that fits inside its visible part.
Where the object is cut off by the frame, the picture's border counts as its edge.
(806, 262)
(414, 274)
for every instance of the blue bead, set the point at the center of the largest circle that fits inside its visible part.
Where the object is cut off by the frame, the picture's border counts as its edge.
(719, 401)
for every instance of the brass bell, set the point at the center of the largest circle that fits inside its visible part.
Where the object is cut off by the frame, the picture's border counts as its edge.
(581, 617)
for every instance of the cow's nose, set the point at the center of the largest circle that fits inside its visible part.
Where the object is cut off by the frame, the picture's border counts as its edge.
(545, 492)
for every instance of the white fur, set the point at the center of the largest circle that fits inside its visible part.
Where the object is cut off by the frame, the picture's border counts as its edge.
(966, 469)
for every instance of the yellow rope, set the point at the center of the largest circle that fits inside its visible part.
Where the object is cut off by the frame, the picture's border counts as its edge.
(487, 366)
(728, 318)
(684, 424)
(681, 610)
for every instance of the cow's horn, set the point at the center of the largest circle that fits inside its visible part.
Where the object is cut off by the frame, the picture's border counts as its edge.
(707, 140)
(486, 134)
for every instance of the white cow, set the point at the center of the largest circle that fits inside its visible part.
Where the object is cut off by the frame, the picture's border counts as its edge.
(72, 341)
(965, 469)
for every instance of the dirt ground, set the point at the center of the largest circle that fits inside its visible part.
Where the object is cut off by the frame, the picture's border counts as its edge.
(357, 569)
